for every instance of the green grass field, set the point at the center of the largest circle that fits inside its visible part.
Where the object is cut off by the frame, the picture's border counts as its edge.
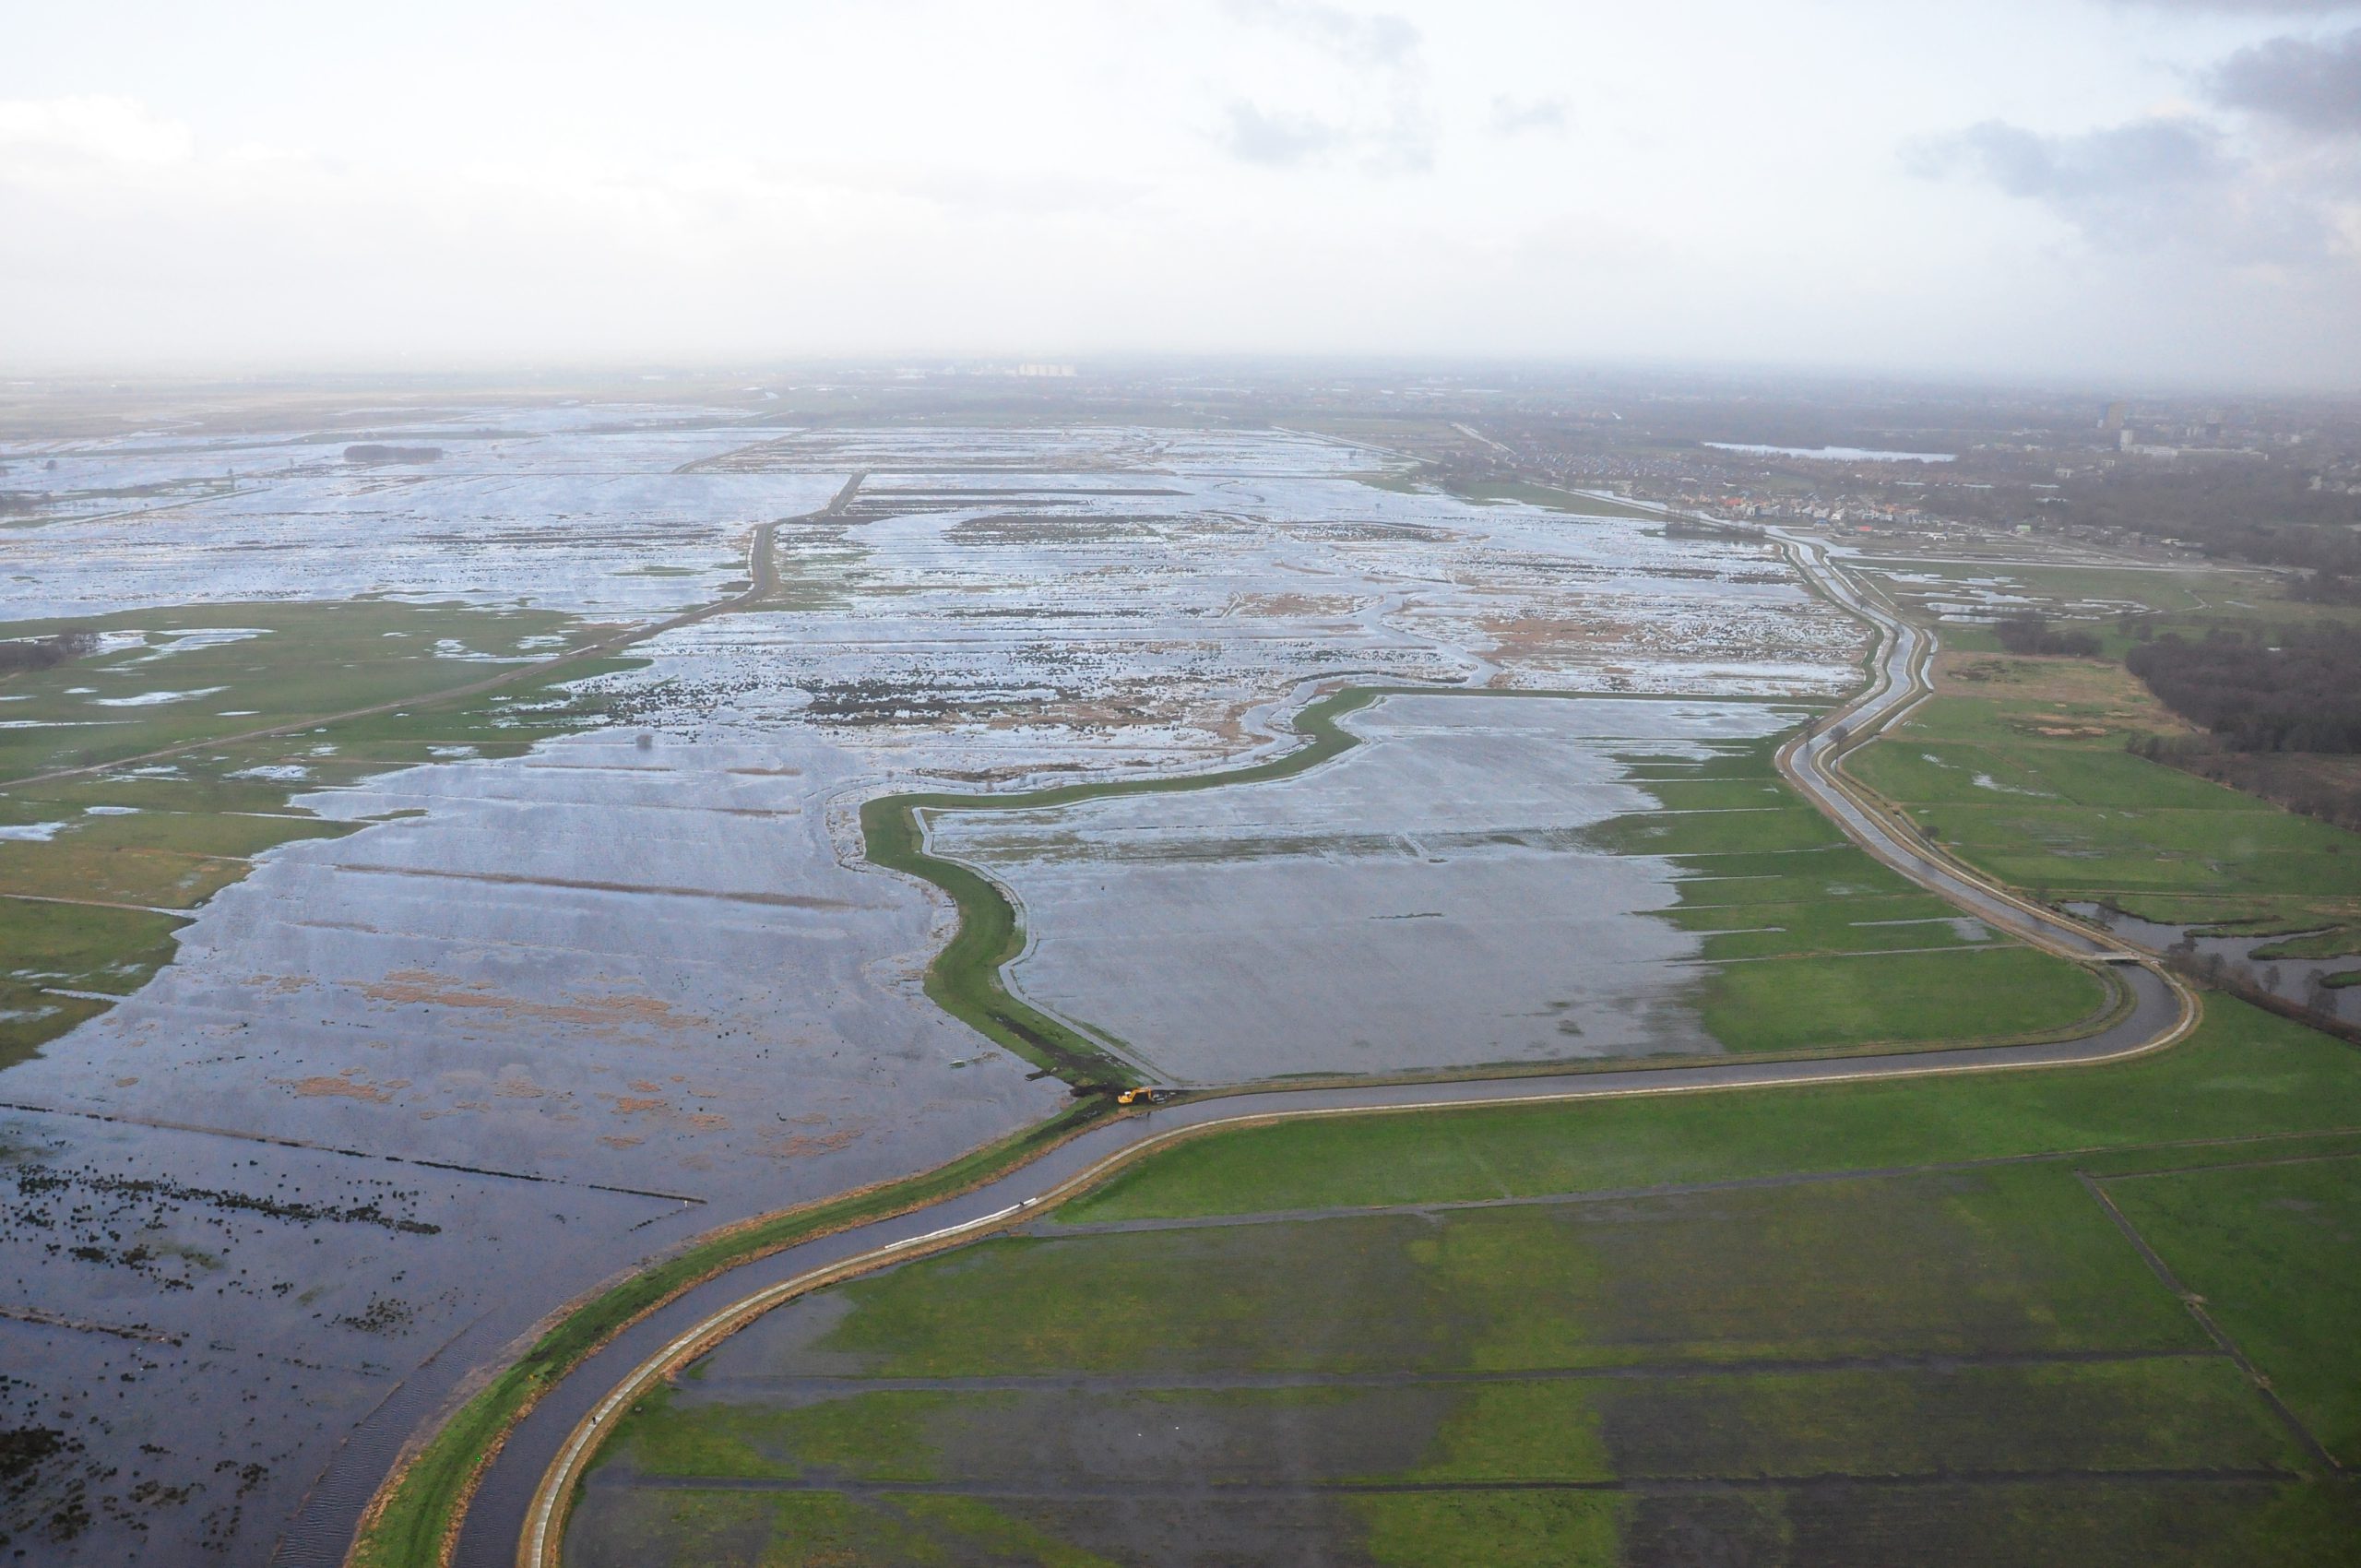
(2244, 1075)
(1857, 1323)
(1808, 1003)
(2019, 767)
(1814, 945)
(2271, 1248)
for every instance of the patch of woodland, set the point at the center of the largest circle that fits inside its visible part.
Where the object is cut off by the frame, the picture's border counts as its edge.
(2029, 634)
(2279, 720)
(2301, 693)
(2266, 512)
(43, 653)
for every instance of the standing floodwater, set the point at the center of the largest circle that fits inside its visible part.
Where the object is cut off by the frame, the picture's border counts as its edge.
(1436, 897)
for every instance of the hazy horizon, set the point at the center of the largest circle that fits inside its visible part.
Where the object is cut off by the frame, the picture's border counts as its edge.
(2165, 192)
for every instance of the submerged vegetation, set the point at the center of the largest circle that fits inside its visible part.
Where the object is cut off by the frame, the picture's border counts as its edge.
(964, 978)
(1841, 1323)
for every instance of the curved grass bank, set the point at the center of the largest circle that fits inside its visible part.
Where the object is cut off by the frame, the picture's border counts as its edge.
(964, 978)
(414, 1520)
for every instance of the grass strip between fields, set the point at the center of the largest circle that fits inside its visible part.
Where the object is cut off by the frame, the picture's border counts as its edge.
(414, 1520)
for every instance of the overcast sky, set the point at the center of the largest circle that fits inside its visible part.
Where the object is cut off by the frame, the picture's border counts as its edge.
(2167, 190)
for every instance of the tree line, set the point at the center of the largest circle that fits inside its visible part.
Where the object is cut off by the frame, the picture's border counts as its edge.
(44, 653)
(2031, 634)
(2302, 693)
(2244, 511)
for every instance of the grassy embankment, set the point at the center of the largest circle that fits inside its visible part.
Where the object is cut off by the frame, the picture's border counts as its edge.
(100, 864)
(1853, 1324)
(2017, 766)
(1810, 945)
(964, 980)
(410, 1522)
(1550, 498)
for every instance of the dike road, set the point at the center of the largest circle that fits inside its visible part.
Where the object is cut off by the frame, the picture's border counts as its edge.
(517, 1517)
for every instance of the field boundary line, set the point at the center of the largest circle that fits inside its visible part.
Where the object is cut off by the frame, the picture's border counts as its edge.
(1644, 1485)
(540, 1545)
(2196, 1304)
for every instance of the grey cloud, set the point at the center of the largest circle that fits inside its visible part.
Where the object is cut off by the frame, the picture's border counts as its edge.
(2141, 156)
(2313, 85)
(1379, 39)
(1512, 118)
(2246, 7)
(1389, 131)
(2146, 185)
(1275, 141)
(1405, 145)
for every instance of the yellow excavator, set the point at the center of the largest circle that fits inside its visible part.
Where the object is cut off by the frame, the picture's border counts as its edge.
(1144, 1095)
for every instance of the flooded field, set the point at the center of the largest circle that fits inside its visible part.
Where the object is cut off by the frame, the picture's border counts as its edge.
(443, 1032)
(1432, 898)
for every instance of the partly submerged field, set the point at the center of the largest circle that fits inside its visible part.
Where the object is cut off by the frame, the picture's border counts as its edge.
(1488, 880)
(97, 868)
(2118, 604)
(1872, 1324)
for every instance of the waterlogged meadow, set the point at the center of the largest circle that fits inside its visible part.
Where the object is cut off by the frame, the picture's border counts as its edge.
(358, 888)
(1493, 881)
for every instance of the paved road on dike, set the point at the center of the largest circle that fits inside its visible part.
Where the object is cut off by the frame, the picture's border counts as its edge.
(518, 1514)
(1897, 684)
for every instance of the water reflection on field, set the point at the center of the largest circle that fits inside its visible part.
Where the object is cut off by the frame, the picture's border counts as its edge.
(2298, 981)
(1432, 898)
